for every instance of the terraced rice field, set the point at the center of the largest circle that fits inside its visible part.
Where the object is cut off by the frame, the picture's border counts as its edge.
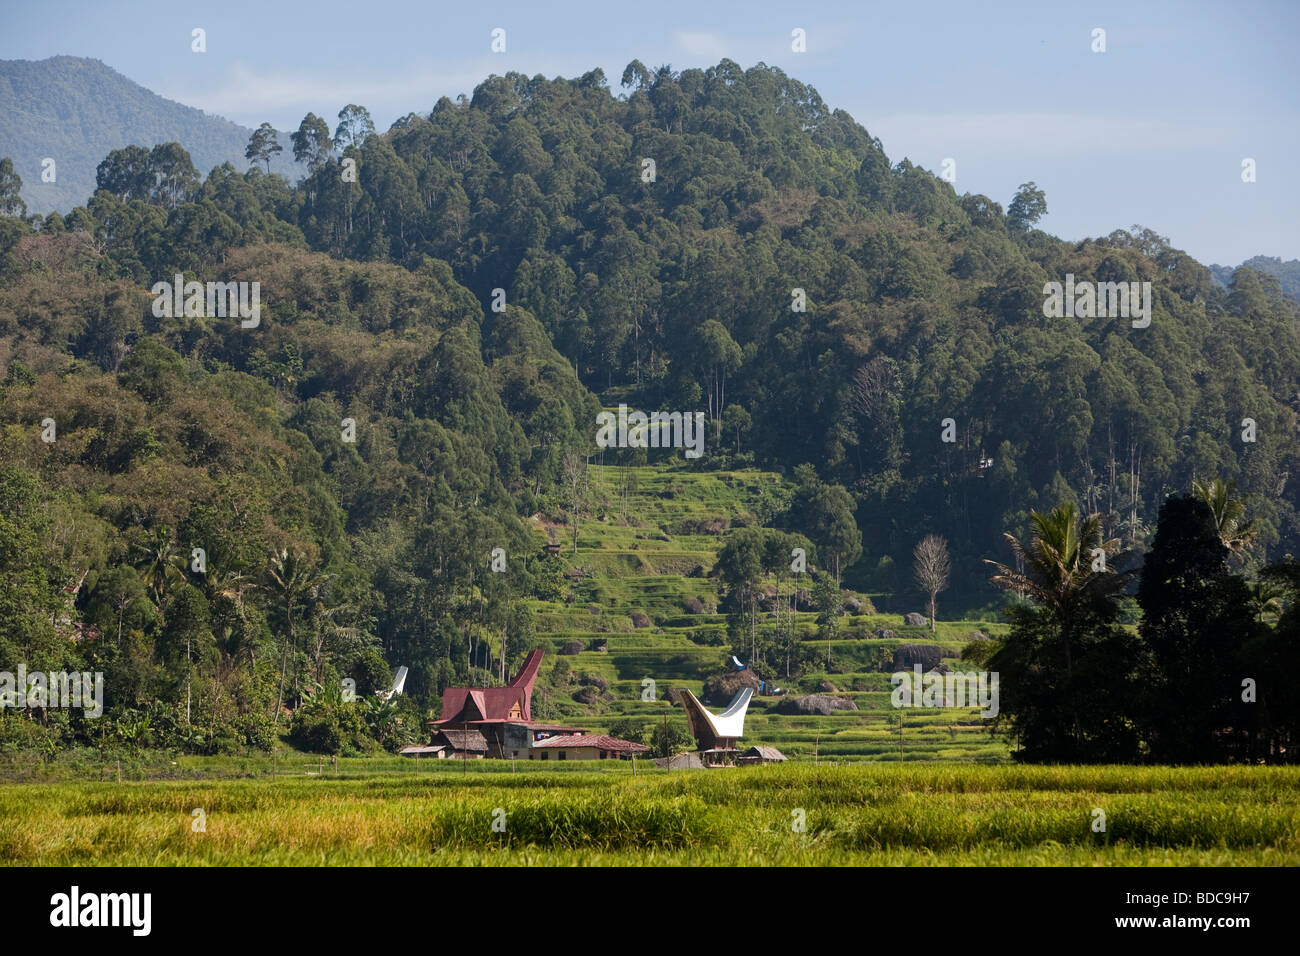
(648, 552)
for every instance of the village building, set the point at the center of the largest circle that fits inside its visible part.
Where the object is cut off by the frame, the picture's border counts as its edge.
(686, 761)
(716, 734)
(758, 755)
(586, 747)
(455, 744)
(498, 722)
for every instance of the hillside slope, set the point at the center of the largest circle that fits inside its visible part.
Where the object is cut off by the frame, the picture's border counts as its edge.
(76, 110)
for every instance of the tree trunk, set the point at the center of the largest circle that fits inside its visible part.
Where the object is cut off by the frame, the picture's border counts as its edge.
(284, 660)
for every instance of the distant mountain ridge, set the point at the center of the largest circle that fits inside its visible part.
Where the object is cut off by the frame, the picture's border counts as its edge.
(76, 110)
(1286, 273)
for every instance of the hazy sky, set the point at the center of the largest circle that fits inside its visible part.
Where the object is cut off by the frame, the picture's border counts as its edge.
(1152, 131)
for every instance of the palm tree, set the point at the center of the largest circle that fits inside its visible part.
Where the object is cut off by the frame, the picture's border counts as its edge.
(1266, 600)
(292, 580)
(1228, 510)
(160, 563)
(327, 617)
(1063, 572)
(229, 584)
(1056, 568)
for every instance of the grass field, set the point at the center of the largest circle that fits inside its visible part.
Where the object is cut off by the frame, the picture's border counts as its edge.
(861, 788)
(389, 811)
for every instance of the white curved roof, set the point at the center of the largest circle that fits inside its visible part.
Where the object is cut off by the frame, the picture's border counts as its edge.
(729, 723)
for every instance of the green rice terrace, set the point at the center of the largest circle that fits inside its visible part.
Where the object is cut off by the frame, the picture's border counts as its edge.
(643, 606)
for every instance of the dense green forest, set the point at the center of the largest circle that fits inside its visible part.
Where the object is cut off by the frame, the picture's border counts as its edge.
(827, 309)
(1286, 273)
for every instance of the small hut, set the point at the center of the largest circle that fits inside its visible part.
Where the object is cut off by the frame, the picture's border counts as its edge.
(686, 761)
(461, 744)
(757, 755)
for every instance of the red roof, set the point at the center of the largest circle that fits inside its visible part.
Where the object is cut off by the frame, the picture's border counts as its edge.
(599, 741)
(531, 725)
(568, 727)
(463, 705)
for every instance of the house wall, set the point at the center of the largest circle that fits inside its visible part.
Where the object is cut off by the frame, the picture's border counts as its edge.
(516, 740)
(575, 753)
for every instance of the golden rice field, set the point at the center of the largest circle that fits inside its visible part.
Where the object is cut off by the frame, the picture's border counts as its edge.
(424, 813)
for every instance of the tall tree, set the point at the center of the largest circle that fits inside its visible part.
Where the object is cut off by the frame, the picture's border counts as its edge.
(1062, 694)
(355, 127)
(740, 568)
(292, 580)
(932, 568)
(11, 187)
(1235, 531)
(311, 142)
(717, 353)
(160, 563)
(575, 488)
(824, 512)
(262, 145)
(174, 173)
(126, 174)
(1028, 206)
(1196, 621)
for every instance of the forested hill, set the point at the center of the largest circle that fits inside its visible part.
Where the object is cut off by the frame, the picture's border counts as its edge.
(921, 304)
(673, 284)
(74, 110)
(1286, 273)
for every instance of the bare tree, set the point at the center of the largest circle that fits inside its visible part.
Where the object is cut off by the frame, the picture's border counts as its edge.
(874, 385)
(574, 488)
(932, 568)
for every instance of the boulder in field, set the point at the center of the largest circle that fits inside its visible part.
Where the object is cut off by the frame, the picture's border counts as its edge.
(821, 704)
(720, 688)
(907, 656)
(913, 619)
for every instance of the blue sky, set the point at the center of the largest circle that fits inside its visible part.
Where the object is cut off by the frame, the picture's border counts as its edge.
(1153, 131)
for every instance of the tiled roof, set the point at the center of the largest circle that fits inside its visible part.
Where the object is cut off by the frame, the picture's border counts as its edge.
(599, 741)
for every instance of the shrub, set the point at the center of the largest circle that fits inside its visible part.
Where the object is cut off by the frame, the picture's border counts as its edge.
(324, 727)
(628, 728)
